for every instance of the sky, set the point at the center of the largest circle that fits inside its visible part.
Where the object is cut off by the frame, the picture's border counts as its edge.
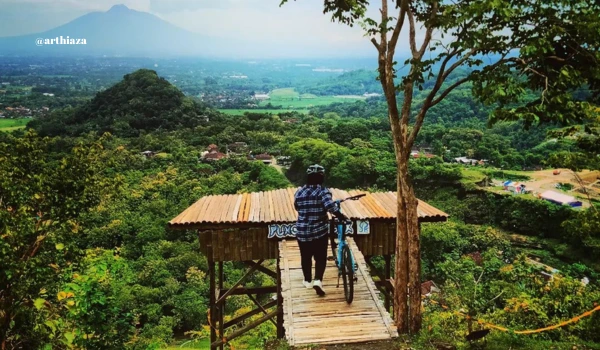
(298, 26)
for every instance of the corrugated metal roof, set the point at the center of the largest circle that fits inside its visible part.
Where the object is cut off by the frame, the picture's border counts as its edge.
(558, 197)
(278, 207)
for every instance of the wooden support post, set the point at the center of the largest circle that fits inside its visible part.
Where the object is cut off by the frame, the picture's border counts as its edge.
(384, 285)
(280, 329)
(213, 308)
(387, 275)
(222, 305)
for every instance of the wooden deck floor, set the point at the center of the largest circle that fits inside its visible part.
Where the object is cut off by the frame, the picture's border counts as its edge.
(310, 319)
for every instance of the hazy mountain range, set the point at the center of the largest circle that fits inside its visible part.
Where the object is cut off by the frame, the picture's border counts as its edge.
(117, 32)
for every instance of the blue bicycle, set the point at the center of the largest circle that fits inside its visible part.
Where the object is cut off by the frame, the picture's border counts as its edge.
(344, 260)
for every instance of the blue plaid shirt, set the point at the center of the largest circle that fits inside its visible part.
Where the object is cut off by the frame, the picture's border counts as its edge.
(312, 204)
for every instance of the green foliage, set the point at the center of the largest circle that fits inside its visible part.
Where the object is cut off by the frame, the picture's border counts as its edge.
(141, 102)
(584, 229)
(43, 210)
(98, 302)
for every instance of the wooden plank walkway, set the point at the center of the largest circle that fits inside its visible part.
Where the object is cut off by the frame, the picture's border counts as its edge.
(310, 319)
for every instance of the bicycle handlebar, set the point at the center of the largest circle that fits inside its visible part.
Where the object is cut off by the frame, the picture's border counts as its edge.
(353, 198)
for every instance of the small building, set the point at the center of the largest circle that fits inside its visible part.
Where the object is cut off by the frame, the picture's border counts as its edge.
(465, 160)
(561, 199)
(265, 158)
(212, 148)
(214, 156)
(428, 288)
(148, 154)
(261, 97)
(421, 155)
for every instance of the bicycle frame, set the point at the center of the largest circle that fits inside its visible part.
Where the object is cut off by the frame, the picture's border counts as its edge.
(341, 236)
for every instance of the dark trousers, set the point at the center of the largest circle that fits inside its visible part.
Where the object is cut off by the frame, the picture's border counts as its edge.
(318, 250)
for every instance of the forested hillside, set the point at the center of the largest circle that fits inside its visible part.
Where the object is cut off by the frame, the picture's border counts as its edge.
(88, 261)
(141, 102)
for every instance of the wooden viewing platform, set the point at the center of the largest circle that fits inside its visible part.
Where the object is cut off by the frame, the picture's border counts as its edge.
(257, 229)
(310, 319)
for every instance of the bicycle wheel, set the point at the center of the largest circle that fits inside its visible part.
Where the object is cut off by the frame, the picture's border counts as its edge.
(348, 274)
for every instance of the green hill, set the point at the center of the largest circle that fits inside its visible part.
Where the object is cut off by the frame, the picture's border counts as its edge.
(142, 101)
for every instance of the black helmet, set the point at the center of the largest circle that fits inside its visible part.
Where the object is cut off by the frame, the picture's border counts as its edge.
(315, 169)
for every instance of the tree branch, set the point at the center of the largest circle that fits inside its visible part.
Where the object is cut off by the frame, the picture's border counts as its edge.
(412, 34)
(457, 64)
(397, 29)
(383, 24)
(377, 46)
(429, 31)
(449, 90)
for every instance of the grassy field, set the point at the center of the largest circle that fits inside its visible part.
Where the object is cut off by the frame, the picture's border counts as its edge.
(12, 124)
(290, 98)
(274, 111)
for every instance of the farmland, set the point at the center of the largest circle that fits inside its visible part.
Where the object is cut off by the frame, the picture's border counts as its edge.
(12, 124)
(290, 98)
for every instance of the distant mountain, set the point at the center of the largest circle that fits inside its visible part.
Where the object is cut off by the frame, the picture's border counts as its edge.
(142, 101)
(119, 31)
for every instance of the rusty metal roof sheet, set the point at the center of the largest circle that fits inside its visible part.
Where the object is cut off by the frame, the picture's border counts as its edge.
(278, 207)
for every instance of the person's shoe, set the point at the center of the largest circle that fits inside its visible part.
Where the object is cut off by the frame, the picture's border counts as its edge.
(307, 284)
(318, 286)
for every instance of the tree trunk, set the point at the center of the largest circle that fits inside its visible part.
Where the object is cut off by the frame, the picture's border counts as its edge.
(407, 304)
(401, 275)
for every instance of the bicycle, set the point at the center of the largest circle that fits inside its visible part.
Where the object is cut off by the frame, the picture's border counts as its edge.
(344, 260)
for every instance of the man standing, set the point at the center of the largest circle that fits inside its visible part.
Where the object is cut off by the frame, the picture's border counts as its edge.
(313, 201)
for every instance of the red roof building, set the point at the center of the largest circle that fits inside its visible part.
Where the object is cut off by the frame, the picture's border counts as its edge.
(429, 287)
(213, 156)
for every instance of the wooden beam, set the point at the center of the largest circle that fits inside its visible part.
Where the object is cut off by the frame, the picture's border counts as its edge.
(260, 307)
(240, 281)
(262, 269)
(287, 302)
(387, 274)
(244, 329)
(222, 305)
(371, 287)
(280, 329)
(247, 315)
(211, 272)
(249, 290)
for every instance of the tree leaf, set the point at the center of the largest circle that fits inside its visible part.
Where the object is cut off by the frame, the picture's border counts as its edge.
(39, 303)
